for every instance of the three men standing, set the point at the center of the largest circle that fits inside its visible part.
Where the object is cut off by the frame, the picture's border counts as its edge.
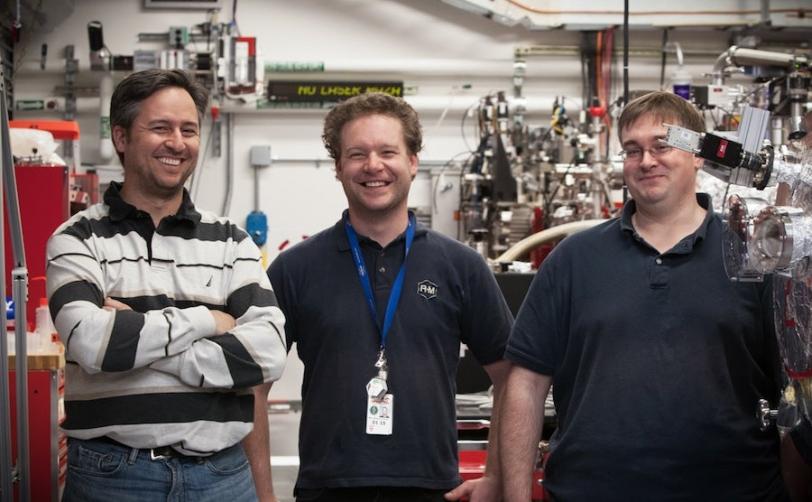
(169, 322)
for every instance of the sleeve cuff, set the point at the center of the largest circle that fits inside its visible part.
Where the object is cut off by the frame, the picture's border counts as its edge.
(517, 357)
(202, 321)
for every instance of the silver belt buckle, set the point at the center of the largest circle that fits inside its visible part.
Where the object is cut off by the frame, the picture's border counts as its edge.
(157, 456)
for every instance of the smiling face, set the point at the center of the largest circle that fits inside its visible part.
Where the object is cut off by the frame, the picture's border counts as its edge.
(375, 167)
(666, 180)
(160, 148)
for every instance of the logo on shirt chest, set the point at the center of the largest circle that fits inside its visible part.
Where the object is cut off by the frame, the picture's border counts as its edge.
(427, 289)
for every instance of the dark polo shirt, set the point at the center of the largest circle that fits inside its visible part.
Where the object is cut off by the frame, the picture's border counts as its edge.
(658, 362)
(449, 296)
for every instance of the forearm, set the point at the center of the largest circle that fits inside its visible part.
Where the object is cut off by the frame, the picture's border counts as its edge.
(254, 350)
(258, 447)
(101, 339)
(498, 373)
(252, 353)
(797, 474)
(521, 419)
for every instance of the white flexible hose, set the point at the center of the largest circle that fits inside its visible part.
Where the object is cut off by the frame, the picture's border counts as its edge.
(527, 244)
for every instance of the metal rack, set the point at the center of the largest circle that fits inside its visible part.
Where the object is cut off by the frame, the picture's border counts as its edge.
(18, 471)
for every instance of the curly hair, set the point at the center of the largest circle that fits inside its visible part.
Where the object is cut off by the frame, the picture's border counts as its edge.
(371, 104)
(665, 107)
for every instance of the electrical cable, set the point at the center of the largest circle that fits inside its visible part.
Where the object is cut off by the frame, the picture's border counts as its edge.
(445, 111)
(194, 183)
(664, 56)
(462, 127)
(234, 23)
(724, 197)
(591, 51)
(598, 70)
(22, 48)
(208, 35)
(715, 121)
(625, 74)
(608, 59)
(229, 163)
(583, 77)
(587, 58)
(548, 202)
(606, 66)
(442, 171)
(625, 52)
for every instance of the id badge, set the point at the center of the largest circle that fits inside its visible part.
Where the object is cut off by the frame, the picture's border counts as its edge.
(380, 415)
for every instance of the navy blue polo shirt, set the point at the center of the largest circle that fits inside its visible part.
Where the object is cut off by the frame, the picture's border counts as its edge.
(658, 362)
(802, 437)
(449, 296)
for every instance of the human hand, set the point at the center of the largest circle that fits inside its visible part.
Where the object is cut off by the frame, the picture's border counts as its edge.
(484, 489)
(222, 322)
(111, 304)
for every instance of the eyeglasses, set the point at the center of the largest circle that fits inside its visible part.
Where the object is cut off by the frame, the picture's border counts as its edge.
(635, 154)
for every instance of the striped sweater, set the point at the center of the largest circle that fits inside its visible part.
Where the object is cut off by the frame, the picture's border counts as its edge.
(158, 375)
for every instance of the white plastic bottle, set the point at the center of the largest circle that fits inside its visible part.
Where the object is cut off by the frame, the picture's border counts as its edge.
(681, 83)
(10, 337)
(44, 328)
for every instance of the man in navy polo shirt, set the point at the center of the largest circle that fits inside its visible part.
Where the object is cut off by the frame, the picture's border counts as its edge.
(378, 306)
(658, 360)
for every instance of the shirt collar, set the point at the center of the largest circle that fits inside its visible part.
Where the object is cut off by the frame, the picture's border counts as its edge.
(344, 245)
(121, 209)
(703, 199)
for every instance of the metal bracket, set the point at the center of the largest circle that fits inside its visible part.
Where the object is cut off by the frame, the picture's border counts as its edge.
(765, 415)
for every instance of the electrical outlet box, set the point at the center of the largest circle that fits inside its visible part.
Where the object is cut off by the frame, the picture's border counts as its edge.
(261, 155)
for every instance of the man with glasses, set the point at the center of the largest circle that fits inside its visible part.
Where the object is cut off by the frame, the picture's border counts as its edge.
(657, 358)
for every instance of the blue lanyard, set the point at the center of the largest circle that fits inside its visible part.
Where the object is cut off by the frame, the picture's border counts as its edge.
(397, 287)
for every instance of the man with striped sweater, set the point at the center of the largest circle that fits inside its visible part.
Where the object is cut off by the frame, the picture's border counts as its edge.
(171, 330)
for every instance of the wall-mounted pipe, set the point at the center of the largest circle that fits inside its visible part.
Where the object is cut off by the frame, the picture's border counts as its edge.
(739, 56)
(534, 105)
(451, 67)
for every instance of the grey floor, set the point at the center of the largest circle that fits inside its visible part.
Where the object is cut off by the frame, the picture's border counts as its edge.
(283, 422)
(284, 433)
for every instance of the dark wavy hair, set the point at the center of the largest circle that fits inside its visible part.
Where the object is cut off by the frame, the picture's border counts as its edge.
(136, 87)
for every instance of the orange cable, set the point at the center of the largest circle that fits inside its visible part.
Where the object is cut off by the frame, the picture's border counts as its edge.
(800, 10)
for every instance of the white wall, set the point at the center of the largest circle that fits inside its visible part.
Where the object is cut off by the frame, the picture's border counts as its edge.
(430, 45)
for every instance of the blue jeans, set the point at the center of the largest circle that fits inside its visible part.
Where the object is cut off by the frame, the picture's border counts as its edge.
(99, 470)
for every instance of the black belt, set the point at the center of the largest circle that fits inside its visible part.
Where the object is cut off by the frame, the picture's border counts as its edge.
(158, 453)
